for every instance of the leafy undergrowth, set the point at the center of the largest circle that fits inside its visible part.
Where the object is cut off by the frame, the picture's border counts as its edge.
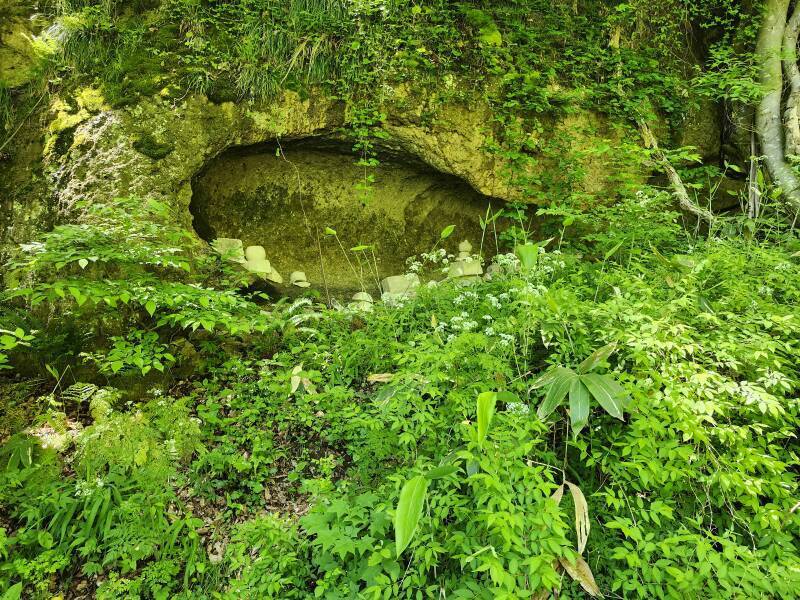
(414, 451)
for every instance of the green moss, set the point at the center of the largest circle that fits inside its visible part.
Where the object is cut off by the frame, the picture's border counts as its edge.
(223, 89)
(488, 33)
(6, 108)
(60, 131)
(90, 99)
(149, 146)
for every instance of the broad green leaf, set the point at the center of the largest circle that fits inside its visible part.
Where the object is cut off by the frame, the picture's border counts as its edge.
(83, 263)
(14, 592)
(578, 406)
(528, 255)
(607, 392)
(546, 379)
(76, 293)
(507, 397)
(409, 511)
(45, 539)
(486, 406)
(150, 307)
(558, 389)
(330, 231)
(441, 471)
(596, 358)
(447, 232)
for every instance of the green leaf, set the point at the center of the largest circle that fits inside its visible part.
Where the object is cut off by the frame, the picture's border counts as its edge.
(150, 307)
(546, 379)
(14, 592)
(561, 382)
(45, 539)
(330, 231)
(83, 263)
(596, 358)
(447, 232)
(528, 255)
(607, 392)
(486, 406)
(441, 471)
(51, 369)
(613, 251)
(507, 397)
(578, 406)
(409, 511)
(76, 293)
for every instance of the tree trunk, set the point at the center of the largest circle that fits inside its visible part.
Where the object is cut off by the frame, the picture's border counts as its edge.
(792, 71)
(768, 116)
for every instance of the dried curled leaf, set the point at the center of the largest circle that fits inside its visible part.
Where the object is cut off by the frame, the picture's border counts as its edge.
(558, 494)
(582, 523)
(380, 378)
(581, 573)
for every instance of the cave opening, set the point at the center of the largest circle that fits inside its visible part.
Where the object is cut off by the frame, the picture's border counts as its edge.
(285, 197)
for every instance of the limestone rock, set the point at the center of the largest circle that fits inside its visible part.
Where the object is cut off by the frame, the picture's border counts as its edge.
(230, 249)
(702, 128)
(400, 284)
(362, 301)
(464, 250)
(299, 279)
(256, 262)
(464, 268)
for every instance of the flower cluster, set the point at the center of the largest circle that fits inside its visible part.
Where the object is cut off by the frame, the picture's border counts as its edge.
(439, 259)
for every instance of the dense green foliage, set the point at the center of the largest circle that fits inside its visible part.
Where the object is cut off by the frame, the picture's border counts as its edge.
(270, 464)
(614, 411)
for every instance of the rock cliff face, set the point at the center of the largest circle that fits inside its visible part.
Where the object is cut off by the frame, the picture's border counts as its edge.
(75, 147)
(155, 148)
(87, 151)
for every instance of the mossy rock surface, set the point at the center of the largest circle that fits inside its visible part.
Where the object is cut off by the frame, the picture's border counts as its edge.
(151, 147)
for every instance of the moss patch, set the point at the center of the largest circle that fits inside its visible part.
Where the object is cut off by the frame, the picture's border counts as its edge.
(151, 147)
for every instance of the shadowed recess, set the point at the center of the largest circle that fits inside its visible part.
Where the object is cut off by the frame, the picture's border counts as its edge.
(283, 201)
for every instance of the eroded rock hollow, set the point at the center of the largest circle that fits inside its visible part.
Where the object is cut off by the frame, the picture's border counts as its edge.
(283, 199)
